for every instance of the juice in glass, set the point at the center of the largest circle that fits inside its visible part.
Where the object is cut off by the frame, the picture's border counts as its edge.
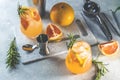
(79, 58)
(31, 23)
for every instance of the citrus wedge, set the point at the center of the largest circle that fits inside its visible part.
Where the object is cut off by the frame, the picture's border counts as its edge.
(109, 48)
(53, 32)
(82, 61)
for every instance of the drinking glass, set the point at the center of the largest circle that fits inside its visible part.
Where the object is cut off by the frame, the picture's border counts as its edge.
(31, 24)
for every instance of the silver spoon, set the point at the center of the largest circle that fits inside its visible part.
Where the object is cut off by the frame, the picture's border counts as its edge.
(29, 47)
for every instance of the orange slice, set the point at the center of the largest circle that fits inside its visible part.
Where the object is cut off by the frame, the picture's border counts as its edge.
(53, 32)
(109, 48)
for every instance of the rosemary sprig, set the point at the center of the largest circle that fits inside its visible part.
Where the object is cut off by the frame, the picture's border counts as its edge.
(13, 55)
(118, 8)
(101, 70)
(22, 11)
(72, 40)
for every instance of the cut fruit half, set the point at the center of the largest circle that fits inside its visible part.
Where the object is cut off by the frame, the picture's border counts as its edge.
(109, 48)
(53, 32)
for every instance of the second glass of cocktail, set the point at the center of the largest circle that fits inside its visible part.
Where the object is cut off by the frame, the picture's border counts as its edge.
(31, 23)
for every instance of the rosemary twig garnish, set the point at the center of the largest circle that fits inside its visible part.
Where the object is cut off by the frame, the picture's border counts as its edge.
(101, 70)
(22, 11)
(118, 8)
(72, 40)
(13, 55)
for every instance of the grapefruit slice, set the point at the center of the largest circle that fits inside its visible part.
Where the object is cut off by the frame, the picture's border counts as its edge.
(53, 32)
(109, 48)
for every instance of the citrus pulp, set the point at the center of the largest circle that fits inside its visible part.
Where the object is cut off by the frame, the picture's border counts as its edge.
(109, 48)
(53, 32)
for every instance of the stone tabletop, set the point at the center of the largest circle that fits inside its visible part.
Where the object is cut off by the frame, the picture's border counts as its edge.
(53, 68)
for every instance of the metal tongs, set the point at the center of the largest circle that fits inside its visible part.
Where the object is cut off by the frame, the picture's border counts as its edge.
(92, 9)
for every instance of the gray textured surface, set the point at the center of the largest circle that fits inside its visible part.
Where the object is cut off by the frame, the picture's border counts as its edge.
(50, 69)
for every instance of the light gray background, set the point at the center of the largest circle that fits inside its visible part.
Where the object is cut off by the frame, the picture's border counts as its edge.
(54, 68)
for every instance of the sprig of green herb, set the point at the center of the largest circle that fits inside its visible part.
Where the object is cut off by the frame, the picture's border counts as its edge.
(13, 55)
(72, 40)
(22, 11)
(118, 8)
(101, 70)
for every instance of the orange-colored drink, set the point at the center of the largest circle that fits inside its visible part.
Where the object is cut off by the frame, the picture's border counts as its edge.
(79, 58)
(31, 24)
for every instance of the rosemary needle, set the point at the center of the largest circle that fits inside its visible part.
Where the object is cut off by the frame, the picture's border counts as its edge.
(72, 40)
(118, 8)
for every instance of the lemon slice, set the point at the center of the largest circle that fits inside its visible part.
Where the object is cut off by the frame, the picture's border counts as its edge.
(82, 61)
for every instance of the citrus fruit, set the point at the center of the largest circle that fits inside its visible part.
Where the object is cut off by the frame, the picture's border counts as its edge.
(109, 48)
(62, 14)
(53, 32)
(79, 58)
(31, 24)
